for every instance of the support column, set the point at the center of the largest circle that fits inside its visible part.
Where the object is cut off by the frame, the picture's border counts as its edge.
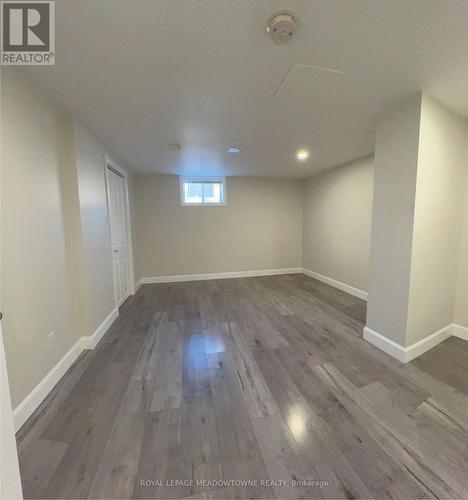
(420, 171)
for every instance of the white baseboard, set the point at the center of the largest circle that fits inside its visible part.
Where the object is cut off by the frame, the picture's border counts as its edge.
(460, 331)
(384, 344)
(137, 286)
(29, 404)
(91, 341)
(218, 276)
(418, 348)
(32, 401)
(405, 354)
(361, 294)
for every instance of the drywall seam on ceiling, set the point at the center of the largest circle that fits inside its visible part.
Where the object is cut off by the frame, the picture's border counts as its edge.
(296, 66)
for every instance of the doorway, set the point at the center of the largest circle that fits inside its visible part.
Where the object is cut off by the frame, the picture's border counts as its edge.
(119, 226)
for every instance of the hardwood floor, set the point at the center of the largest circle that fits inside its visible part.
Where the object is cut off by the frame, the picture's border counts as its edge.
(262, 383)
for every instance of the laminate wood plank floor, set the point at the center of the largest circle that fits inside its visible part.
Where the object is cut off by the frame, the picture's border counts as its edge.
(249, 388)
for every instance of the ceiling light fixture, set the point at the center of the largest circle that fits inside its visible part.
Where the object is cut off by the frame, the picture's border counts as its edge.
(302, 154)
(233, 150)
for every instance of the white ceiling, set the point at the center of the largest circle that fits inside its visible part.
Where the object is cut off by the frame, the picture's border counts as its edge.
(203, 73)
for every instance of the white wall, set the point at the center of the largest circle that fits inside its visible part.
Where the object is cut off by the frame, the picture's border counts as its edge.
(37, 276)
(56, 256)
(260, 228)
(132, 205)
(440, 188)
(337, 222)
(98, 274)
(461, 298)
(419, 187)
(396, 157)
(10, 482)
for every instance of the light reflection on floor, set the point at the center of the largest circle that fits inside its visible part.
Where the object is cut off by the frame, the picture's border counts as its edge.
(297, 422)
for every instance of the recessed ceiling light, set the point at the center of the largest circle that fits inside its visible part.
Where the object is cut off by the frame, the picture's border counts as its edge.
(302, 154)
(233, 150)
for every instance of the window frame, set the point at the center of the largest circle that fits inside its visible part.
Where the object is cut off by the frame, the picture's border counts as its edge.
(201, 179)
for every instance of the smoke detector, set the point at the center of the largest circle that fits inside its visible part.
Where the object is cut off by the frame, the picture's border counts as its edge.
(281, 27)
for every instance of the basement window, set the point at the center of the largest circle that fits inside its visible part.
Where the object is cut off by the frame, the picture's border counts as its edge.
(202, 191)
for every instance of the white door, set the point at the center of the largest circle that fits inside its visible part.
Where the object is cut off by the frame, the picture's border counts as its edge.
(118, 230)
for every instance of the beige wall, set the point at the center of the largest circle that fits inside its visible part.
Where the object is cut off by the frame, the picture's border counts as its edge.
(461, 299)
(10, 481)
(132, 206)
(98, 274)
(55, 238)
(396, 156)
(56, 256)
(440, 188)
(260, 228)
(419, 188)
(36, 278)
(337, 222)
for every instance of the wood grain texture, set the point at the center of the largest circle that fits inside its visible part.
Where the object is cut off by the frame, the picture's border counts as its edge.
(249, 388)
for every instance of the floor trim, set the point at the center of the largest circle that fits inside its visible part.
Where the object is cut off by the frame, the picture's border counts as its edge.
(361, 294)
(91, 341)
(384, 344)
(460, 331)
(405, 354)
(217, 276)
(137, 286)
(31, 402)
(356, 292)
